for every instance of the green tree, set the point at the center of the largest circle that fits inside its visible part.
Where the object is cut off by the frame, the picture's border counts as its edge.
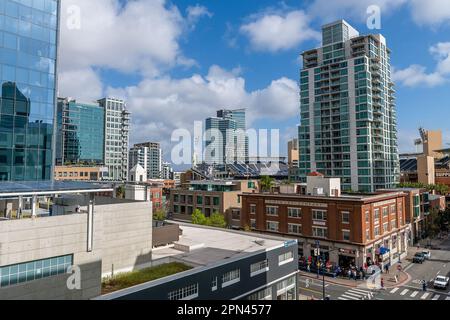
(217, 220)
(159, 215)
(434, 223)
(120, 192)
(266, 183)
(198, 217)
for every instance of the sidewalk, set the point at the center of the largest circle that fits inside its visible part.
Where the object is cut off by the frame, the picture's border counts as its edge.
(388, 278)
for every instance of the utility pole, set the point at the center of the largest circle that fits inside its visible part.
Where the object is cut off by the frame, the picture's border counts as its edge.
(323, 276)
(317, 254)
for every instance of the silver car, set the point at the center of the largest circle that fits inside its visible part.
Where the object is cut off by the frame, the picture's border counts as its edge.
(427, 254)
(441, 282)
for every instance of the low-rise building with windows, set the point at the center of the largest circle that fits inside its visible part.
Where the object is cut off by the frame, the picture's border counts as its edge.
(348, 228)
(210, 196)
(227, 265)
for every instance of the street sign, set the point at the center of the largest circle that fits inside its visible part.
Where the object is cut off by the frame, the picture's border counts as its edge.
(317, 242)
(317, 252)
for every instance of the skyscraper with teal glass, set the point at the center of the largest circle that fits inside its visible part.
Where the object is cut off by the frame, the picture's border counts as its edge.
(28, 60)
(80, 135)
(348, 123)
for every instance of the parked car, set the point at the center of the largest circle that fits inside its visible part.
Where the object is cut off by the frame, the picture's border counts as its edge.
(419, 257)
(441, 282)
(427, 254)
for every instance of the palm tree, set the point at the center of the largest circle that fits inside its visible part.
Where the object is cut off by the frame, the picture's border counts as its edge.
(266, 183)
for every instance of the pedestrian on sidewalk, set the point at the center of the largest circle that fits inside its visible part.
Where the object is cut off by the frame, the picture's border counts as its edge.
(382, 283)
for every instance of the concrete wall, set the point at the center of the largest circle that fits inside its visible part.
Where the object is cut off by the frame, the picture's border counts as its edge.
(122, 241)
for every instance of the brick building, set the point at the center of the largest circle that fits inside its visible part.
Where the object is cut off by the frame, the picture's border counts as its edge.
(349, 228)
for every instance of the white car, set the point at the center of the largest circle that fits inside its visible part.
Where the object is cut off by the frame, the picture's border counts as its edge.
(441, 282)
(427, 254)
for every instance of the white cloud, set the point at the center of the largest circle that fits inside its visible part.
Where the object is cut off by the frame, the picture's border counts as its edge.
(139, 37)
(442, 53)
(430, 12)
(162, 105)
(82, 84)
(274, 31)
(329, 11)
(196, 12)
(416, 75)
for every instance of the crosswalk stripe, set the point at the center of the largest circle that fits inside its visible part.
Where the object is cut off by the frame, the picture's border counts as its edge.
(404, 292)
(414, 294)
(353, 294)
(360, 291)
(394, 290)
(436, 296)
(340, 298)
(447, 298)
(425, 295)
(346, 296)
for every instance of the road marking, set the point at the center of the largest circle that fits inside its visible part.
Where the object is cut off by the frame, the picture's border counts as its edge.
(360, 291)
(404, 292)
(352, 298)
(340, 298)
(414, 294)
(438, 272)
(425, 295)
(394, 290)
(357, 295)
(448, 298)
(436, 297)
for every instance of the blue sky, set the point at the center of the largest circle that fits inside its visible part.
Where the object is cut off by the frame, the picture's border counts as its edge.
(189, 58)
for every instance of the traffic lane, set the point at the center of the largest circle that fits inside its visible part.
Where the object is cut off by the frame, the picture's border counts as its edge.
(314, 287)
(439, 264)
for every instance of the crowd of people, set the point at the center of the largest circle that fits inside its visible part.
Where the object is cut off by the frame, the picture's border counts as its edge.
(350, 271)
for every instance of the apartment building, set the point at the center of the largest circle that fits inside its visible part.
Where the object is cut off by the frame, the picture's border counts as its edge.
(117, 128)
(348, 123)
(149, 156)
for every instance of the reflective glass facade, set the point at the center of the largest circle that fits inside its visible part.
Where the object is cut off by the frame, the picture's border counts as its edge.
(28, 52)
(80, 134)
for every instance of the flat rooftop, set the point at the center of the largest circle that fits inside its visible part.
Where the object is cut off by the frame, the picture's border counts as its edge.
(214, 245)
(9, 188)
(342, 197)
(213, 182)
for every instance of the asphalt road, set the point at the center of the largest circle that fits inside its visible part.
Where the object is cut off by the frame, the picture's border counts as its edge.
(439, 264)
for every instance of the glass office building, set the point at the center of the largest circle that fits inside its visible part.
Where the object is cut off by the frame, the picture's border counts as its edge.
(28, 53)
(80, 133)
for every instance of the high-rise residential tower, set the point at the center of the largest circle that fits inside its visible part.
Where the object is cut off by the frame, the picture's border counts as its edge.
(149, 156)
(80, 133)
(117, 128)
(232, 144)
(348, 119)
(28, 61)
